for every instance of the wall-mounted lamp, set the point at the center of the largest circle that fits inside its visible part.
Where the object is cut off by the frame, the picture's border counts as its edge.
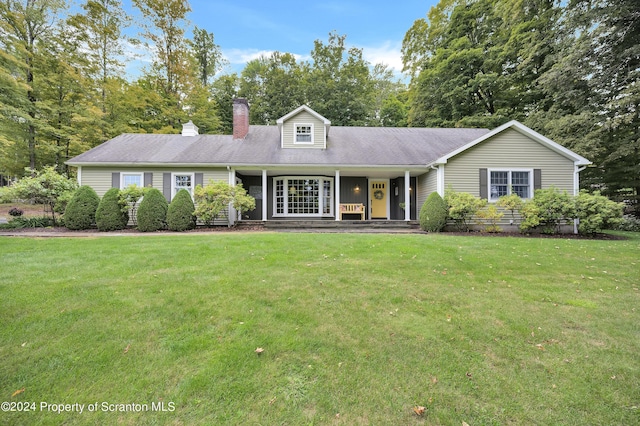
(410, 189)
(357, 188)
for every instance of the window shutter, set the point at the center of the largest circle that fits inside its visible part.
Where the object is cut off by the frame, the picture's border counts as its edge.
(199, 179)
(537, 179)
(484, 184)
(115, 180)
(166, 186)
(148, 179)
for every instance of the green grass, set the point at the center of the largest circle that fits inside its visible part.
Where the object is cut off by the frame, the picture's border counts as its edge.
(356, 329)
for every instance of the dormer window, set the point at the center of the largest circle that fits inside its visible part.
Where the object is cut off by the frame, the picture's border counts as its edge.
(304, 133)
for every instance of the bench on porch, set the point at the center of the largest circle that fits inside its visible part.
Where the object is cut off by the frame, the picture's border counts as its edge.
(352, 209)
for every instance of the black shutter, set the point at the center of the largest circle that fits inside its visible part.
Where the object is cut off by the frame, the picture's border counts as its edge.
(166, 186)
(148, 179)
(484, 184)
(199, 179)
(115, 180)
(537, 179)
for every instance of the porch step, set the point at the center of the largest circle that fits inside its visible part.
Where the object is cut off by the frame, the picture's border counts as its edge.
(343, 225)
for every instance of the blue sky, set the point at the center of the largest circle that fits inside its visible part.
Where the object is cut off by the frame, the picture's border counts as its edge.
(246, 29)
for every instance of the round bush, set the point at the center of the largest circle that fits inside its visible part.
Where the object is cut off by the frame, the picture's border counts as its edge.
(180, 213)
(152, 212)
(433, 214)
(81, 209)
(109, 216)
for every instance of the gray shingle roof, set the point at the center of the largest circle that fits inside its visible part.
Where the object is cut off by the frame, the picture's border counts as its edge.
(346, 146)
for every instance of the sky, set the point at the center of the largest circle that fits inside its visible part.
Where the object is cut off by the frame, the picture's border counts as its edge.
(246, 29)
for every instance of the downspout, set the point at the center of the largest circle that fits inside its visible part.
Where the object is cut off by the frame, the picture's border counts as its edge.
(576, 191)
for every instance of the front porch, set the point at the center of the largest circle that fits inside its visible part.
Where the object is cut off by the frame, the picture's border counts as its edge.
(356, 226)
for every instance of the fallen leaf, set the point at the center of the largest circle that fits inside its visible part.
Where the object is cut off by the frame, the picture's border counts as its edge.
(434, 379)
(469, 375)
(259, 351)
(127, 348)
(18, 392)
(273, 400)
(465, 423)
(419, 410)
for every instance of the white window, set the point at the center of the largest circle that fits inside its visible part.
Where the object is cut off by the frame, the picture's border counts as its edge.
(304, 133)
(507, 182)
(127, 179)
(182, 181)
(303, 196)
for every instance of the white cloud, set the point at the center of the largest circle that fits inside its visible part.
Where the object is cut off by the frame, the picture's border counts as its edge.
(388, 53)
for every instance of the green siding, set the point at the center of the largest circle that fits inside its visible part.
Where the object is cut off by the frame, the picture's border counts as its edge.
(427, 183)
(303, 117)
(99, 178)
(507, 150)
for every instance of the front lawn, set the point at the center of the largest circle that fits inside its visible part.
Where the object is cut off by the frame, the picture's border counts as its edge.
(355, 329)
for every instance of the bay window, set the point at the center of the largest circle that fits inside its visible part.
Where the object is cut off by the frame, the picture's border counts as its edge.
(303, 196)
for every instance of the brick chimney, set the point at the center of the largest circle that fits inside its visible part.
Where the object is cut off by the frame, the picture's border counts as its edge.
(240, 118)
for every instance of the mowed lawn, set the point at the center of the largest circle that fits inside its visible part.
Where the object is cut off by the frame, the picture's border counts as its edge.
(355, 329)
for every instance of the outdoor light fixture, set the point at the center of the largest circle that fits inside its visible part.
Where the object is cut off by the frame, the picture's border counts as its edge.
(357, 188)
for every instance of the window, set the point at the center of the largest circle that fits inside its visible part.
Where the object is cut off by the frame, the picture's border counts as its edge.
(182, 181)
(304, 133)
(127, 179)
(303, 196)
(506, 182)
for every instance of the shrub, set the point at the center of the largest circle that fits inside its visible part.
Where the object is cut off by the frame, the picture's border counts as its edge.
(213, 201)
(109, 216)
(489, 217)
(180, 214)
(596, 212)
(6, 195)
(511, 202)
(629, 223)
(81, 210)
(128, 200)
(548, 210)
(462, 206)
(152, 212)
(28, 222)
(433, 214)
(15, 212)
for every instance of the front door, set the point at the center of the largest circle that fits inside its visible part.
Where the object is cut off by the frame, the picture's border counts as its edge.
(378, 199)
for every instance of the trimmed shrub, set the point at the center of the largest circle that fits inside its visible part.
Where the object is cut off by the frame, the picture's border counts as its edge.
(433, 214)
(109, 216)
(81, 209)
(180, 215)
(152, 212)
(596, 212)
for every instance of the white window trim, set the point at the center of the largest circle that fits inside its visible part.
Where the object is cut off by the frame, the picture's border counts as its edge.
(295, 133)
(122, 174)
(509, 184)
(322, 179)
(173, 183)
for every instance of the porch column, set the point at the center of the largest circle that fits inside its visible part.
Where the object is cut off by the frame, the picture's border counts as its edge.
(336, 188)
(233, 214)
(407, 196)
(264, 196)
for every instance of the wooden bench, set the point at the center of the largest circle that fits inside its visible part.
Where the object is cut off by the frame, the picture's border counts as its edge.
(352, 209)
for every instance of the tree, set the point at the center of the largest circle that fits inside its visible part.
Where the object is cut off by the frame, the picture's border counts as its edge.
(207, 54)
(22, 25)
(152, 213)
(224, 90)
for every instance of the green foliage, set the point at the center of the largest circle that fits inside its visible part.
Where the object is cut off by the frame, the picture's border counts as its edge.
(109, 216)
(81, 211)
(46, 187)
(547, 210)
(490, 216)
(22, 222)
(629, 223)
(511, 202)
(152, 212)
(433, 214)
(180, 215)
(214, 199)
(6, 195)
(462, 206)
(596, 212)
(128, 200)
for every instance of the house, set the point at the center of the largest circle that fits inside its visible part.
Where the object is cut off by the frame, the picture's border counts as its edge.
(304, 168)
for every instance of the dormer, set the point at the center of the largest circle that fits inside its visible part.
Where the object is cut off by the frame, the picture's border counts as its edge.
(303, 128)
